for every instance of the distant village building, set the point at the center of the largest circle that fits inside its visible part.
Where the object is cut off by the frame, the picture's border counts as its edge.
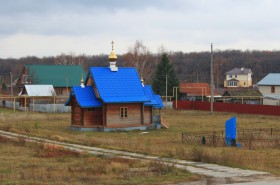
(196, 92)
(40, 92)
(243, 96)
(238, 77)
(62, 77)
(269, 86)
(113, 98)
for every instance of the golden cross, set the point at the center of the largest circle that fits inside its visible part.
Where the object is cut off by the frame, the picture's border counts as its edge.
(112, 45)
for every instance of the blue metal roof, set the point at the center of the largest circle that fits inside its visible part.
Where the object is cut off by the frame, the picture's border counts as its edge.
(122, 86)
(85, 97)
(270, 79)
(159, 105)
(150, 95)
(155, 100)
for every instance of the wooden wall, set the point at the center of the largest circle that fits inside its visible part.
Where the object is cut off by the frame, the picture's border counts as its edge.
(148, 115)
(134, 114)
(76, 114)
(92, 117)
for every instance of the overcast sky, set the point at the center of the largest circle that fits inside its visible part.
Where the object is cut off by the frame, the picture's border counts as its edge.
(51, 27)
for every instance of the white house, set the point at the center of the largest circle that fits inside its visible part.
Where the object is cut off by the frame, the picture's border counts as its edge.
(238, 77)
(269, 86)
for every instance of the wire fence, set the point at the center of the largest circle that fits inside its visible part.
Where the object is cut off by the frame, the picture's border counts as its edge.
(246, 138)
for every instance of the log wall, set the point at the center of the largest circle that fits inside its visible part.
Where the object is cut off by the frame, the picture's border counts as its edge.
(92, 117)
(134, 112)
(148, 115)
(76, 114)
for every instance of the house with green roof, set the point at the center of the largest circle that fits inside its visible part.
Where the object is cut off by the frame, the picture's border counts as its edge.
(62, 77)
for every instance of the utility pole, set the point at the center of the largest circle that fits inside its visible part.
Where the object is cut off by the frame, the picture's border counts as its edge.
(212, 80)
(11, 84)
(166, 90)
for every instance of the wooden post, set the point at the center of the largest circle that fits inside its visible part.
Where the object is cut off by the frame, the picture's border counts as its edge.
(33, 103)
(250, 141)
(202, 94)
(25, 104)
(14, 104)
(54, 104)
(176, 97)
(142, 113)
(213, 138)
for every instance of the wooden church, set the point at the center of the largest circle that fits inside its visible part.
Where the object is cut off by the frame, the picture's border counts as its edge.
(113, 98)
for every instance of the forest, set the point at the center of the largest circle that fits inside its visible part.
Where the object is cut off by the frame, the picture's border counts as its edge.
(190, 67)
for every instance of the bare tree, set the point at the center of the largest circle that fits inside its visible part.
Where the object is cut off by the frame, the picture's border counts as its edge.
(69, 59)
(139, 56)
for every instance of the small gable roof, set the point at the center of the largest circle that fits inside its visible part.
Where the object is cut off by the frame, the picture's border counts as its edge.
(270, 79)
(154, 100)
(239, 71)
(38, 90)
(57, 75)
(233, 80)
(196, 89)
(242, 92)
(85, 97)
(122, 86)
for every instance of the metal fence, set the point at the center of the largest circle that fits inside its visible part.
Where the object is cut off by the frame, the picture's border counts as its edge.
(246, 138)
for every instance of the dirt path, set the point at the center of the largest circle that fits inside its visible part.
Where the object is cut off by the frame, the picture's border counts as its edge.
(212, 173)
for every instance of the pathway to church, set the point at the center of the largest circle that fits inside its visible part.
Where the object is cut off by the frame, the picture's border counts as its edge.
(211, 173)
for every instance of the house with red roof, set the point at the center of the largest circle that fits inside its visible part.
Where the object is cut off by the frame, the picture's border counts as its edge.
(113, 98)
(196, 91)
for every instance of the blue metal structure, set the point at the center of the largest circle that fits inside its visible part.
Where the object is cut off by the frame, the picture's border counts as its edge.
(154, 100)
(85, 97)
(123, 86)
(231, 131)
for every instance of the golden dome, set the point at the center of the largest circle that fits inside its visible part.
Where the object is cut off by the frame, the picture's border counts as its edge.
(112, 57)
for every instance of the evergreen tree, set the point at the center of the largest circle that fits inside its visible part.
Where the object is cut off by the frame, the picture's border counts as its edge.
(159, 81)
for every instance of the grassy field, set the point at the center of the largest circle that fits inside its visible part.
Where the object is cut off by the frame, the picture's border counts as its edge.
(30, 163)
(165, 142)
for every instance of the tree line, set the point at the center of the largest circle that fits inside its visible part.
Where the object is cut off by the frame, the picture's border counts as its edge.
(189, 67)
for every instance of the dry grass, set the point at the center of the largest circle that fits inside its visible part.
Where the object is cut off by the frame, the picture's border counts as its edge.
(46, 164)
(157, 142)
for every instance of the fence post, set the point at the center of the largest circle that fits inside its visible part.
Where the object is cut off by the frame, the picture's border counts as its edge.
(54, 104)
(250, 141)
(25, 102)
(271, 132)
(182, 137)
(213, 138)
